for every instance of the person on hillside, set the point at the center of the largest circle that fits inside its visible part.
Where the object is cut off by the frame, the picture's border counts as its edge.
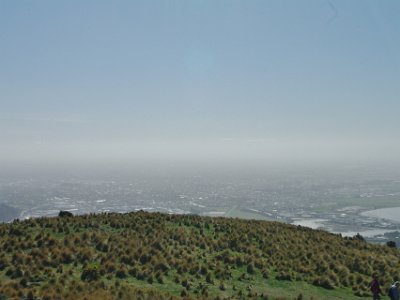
(394, 291)
(375, 288)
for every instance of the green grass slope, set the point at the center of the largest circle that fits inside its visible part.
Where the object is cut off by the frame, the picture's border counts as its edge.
(158, 256)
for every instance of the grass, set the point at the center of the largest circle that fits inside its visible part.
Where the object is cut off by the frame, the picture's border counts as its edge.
(225, 247)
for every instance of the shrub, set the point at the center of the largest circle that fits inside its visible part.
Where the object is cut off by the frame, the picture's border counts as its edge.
(391, 244)
(121, 273)
(323, 282)
(90, 274)
(250, 268)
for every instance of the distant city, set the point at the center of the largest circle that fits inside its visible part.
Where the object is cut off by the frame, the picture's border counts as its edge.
(347, 200)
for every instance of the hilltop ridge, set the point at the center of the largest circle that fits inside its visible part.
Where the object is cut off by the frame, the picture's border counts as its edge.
(161, 256)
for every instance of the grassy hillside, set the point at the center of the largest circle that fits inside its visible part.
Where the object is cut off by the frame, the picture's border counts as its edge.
(158, 256)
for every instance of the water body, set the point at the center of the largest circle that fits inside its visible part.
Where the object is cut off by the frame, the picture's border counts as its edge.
(391, 213)
(322, 224)
(311, 223)
(369, 233)
(8, 213)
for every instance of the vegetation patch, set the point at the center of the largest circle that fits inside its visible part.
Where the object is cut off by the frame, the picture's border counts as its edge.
(159, 256)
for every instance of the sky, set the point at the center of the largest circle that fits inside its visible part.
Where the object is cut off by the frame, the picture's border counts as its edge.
(125, 81)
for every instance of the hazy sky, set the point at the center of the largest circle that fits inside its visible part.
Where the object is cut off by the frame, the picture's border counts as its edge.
(223, 80)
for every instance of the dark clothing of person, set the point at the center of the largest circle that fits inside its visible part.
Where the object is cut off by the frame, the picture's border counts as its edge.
(376, 289)
(394, 293)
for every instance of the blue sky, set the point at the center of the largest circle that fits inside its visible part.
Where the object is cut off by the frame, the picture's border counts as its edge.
(137, 80)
